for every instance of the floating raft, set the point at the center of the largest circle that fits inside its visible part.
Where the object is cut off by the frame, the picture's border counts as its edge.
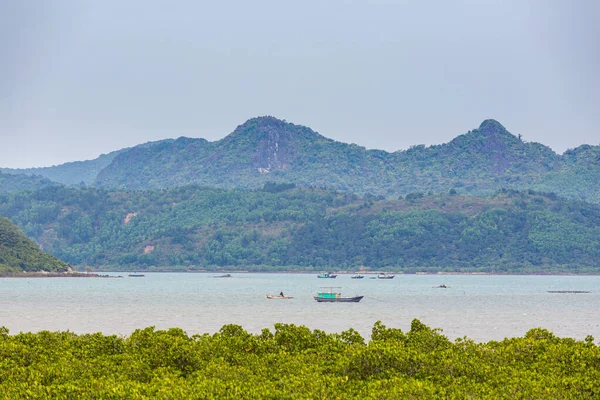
(568, 291)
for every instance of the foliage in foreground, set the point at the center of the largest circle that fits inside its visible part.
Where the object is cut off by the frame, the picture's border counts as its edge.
(295, 363)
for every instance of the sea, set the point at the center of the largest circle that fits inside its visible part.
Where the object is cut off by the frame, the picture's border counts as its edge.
(478, 307)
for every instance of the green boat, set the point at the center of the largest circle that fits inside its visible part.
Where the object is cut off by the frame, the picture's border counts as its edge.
(331, 295)
(327, 275)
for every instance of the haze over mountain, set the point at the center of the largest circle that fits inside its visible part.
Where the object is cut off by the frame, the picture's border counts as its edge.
(72, 173)
(267, 149)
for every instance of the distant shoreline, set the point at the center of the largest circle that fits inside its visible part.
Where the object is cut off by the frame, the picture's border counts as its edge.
(374, 273)
(103, 274)
(58, 275)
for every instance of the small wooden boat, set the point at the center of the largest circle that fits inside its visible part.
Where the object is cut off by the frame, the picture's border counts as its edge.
(327, 275)
(330, 295)
(223, 276)
(133, 275)
(278, 297)
(358, 276)
(385, 276)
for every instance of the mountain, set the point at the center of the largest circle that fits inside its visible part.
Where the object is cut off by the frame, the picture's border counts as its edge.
(18, 253)
(579, 178)
(71, 173)
(261, 150)
(15, 183)
(286, 228)
(267, 149)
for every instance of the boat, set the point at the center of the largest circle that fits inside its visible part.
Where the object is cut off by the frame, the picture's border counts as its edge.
(358, 276)
(133, 275)
(331, 295)
(278, 297)
(385, 276)
(223, 276)
(327, 275)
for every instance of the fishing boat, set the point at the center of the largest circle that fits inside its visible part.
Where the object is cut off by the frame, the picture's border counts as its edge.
(223, 276)
(327, 275)
(332, 295)
(278, 297)
(134, 275)
(385, 276)
(358, 276)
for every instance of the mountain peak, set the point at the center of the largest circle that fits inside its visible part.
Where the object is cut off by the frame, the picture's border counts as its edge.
(262, 122)
(491, 127)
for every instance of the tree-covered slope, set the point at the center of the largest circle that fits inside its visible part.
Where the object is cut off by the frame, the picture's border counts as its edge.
(487, 158)
(15, 183)
(18, 253)
(267, 149)
(261, 150)
(71, 173)
(579, 178)
(282, 228)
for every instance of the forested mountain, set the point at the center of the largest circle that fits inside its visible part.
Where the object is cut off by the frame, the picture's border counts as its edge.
(267, 149)
(579, 178)
(19, 253)
(19, 182)
(286, 228)
(72, 173)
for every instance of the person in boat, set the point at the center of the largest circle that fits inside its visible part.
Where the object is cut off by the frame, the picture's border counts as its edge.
(281, 294)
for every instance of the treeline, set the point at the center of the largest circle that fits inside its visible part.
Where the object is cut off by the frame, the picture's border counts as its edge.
(20, 182)
(294, 362)
(286, 228)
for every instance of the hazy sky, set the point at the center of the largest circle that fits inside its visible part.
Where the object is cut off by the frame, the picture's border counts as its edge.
(79, 78)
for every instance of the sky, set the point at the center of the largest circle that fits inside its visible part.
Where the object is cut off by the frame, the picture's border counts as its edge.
(79, 78)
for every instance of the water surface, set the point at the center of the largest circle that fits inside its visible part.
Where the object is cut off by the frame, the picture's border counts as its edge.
(481, 307)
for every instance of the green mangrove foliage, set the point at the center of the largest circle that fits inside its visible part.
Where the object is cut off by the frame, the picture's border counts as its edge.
(285, 228)
(294, 362)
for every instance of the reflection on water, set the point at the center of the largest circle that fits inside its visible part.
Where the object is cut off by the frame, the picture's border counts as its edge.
(480, 307)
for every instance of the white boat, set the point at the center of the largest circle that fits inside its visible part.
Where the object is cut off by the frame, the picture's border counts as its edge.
(278, 297)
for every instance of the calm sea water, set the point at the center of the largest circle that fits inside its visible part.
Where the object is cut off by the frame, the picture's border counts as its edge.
(481, 307)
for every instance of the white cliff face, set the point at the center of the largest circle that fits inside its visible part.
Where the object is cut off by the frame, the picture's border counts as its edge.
(272, 152)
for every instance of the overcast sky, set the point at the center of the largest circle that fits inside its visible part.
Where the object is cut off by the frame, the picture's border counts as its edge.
(80, 78)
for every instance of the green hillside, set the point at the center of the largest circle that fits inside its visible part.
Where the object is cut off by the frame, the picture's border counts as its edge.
(267, 149)
(286, 228)
(579, 178)
(15, 183)
(19, 253)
